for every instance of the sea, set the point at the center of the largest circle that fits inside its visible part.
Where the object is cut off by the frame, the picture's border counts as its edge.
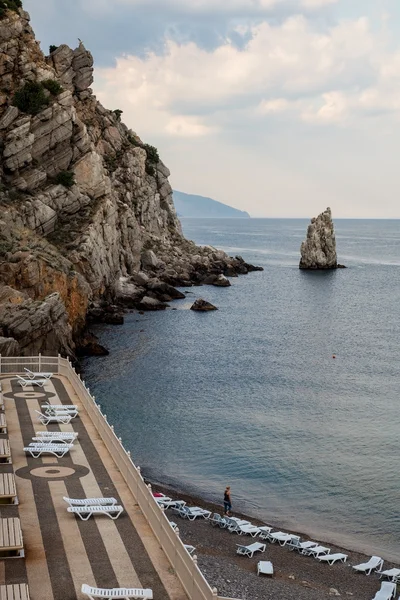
(289, 392)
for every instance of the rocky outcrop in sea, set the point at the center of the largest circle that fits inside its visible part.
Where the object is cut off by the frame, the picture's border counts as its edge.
(318, 251)
(87, 218)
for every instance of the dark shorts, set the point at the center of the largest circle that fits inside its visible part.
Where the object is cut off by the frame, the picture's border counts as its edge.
(227, 507)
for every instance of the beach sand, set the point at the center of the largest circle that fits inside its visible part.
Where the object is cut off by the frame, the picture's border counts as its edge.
(295, 576)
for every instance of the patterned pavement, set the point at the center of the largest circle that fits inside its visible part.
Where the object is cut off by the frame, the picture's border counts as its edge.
(61, 550)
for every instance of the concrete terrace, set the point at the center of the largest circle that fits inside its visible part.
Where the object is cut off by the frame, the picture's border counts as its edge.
(61, 550)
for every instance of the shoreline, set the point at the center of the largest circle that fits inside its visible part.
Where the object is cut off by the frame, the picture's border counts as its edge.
(344, 544)
(295, 575)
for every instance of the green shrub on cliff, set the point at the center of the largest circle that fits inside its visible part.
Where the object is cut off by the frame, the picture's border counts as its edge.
(150, 170)
(152, 153)
(14, 5)
(65, 178)
(118, 112)
(52, 86)
(31, 98)
(52, 48)
(152, 159)
(5, 246)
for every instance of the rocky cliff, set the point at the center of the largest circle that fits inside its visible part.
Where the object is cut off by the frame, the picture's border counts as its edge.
(86, 209)
(318, 251)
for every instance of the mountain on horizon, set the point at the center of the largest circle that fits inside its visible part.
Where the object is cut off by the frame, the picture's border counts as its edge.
(201, 207)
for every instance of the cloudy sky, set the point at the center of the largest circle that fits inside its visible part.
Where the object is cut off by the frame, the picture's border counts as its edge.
(277, 107)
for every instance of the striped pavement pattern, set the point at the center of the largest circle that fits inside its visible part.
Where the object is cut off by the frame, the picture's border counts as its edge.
(61, 550)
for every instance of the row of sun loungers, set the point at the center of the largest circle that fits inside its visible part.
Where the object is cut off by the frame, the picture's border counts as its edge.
(34, 378)
(57, 443)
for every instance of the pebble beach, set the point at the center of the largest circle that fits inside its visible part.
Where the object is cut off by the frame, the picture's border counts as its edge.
(295, 576)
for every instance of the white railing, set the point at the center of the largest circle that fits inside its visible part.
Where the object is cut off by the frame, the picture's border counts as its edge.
(185, 567)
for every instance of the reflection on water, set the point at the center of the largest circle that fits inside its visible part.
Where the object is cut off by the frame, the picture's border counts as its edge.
(250, 395)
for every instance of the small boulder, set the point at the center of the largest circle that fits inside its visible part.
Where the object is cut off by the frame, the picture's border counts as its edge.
(164, 291)
(148, 303)
(149, 260)
(221, 281)
(202, 305)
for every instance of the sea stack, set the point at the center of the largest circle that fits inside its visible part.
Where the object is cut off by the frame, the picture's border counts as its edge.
(318, 251)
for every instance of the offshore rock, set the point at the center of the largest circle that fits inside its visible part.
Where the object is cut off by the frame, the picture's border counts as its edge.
(318, 251)
(202, 305)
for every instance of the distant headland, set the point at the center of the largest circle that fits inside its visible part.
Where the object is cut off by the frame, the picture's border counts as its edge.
(201, 207)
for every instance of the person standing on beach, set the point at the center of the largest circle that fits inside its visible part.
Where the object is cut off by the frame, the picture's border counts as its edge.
(227, 501)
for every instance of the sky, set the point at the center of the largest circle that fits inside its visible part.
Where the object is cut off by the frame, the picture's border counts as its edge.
(277, 107)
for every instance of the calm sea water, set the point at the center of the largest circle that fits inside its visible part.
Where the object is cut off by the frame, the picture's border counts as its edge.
(250, 395)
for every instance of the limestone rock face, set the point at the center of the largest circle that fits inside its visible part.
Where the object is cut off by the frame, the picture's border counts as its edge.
(318, 251)
(86, 208)
(39, 327)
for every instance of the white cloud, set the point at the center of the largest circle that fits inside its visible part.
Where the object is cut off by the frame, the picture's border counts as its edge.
(276, 105)
(319, 77)
(248, 6)
(184, 126)
(317, 3)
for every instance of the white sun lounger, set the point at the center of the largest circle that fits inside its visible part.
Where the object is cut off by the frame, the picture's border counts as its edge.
(59, 409)
(58, 450)
(190, 548)
(234, 524)
(249, 550)
(265, 567)
(191, 513)
(55, 436)
(391, 574)
(316, 551)
(24, 382)
(122, 593)
(169, 503)
(387, 591)
(89, 501)
(47, 406)
(34, 375)
(264, 532)
(217, 520)
(252, 530)
(374, 563)
(281, 537)
(295, 544)
(59, 418)
(332, 558)
(85, 512)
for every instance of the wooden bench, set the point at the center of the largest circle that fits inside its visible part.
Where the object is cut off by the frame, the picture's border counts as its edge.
(5, 452)
(8, 490)
(3, 423)
(17, 591)
(11, 543)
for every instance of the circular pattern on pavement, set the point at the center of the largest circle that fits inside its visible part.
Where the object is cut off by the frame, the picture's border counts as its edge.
(29, 395)
(53, 471)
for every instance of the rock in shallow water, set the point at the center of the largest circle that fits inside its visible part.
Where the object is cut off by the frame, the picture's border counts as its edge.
(202, 305)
